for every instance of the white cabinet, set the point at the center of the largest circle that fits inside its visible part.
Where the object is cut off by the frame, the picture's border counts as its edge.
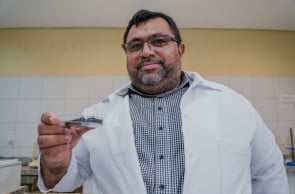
(10, 175)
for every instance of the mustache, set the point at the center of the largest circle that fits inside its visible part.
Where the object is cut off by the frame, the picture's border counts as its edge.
(149, 59)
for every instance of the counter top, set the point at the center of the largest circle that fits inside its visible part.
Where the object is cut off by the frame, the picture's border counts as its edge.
(12, 162)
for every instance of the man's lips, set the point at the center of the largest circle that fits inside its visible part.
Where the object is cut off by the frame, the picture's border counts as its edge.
(149, 66)
(149, 63)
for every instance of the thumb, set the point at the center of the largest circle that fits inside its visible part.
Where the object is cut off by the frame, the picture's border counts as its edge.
(50, 118)
(82, 130)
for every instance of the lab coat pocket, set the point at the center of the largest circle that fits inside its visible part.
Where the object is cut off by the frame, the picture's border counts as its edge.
(235, 167)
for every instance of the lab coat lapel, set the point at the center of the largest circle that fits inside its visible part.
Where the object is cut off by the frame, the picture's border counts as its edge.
(121, 140)
(201, 142)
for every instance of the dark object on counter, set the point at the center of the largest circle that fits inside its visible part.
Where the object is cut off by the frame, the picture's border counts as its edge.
(292, 163)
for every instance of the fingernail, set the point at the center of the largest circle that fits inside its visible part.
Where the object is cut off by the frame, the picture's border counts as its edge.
(50, 119)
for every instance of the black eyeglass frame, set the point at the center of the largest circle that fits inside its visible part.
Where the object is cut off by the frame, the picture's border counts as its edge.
(167, 36)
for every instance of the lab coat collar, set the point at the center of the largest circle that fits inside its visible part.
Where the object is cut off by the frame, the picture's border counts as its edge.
(195, 81)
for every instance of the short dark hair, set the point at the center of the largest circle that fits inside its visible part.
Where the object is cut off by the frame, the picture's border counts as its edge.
(144, 15)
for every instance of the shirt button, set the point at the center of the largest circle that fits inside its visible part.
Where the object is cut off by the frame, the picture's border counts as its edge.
(162, 186)
(161, 157)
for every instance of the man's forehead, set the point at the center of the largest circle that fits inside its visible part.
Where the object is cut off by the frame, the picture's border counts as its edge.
(148, 28)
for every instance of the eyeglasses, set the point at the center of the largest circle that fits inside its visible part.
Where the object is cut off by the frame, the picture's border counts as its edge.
(157, 41)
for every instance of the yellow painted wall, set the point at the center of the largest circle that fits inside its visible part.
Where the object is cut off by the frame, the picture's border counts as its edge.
(97, 51)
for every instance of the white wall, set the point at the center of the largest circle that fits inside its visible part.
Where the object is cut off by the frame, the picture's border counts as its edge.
(23, 99)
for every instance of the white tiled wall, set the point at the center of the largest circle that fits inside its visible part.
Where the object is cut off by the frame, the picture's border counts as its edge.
(23, 99)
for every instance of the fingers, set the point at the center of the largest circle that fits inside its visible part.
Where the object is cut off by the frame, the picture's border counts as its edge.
(48, 141)
(55, 144)
(45, 129)
(54, 135)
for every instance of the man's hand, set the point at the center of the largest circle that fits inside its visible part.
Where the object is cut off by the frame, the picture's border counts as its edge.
(55, 141)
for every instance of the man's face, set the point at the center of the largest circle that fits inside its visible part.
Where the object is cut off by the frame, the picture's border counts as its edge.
(156, 65)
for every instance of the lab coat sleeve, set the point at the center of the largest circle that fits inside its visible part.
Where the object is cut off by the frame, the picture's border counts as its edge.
(76, 173)
(66, 184)
(267, 166)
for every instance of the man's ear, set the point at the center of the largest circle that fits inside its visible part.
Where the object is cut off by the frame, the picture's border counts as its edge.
(181, 49)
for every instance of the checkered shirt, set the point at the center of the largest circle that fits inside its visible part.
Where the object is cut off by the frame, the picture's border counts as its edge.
(158, 138)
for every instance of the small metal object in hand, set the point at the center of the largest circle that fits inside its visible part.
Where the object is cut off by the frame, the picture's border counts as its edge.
(82, 122)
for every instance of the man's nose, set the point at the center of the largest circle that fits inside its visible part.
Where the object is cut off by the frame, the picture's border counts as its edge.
(147, 50)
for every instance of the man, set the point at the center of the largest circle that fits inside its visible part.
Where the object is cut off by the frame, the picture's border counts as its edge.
(168, 131)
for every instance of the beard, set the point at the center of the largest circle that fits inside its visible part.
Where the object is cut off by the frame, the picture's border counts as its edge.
(156, 80)
(153, 77)
(151, 80)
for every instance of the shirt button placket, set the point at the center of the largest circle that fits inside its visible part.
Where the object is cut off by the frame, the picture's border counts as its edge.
(160, 145)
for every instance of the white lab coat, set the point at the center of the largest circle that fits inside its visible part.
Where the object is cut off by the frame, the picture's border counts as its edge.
(228, 148)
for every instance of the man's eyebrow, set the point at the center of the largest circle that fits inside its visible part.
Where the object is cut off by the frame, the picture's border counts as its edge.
(134, 39)
(157, 35)
(152, 36)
